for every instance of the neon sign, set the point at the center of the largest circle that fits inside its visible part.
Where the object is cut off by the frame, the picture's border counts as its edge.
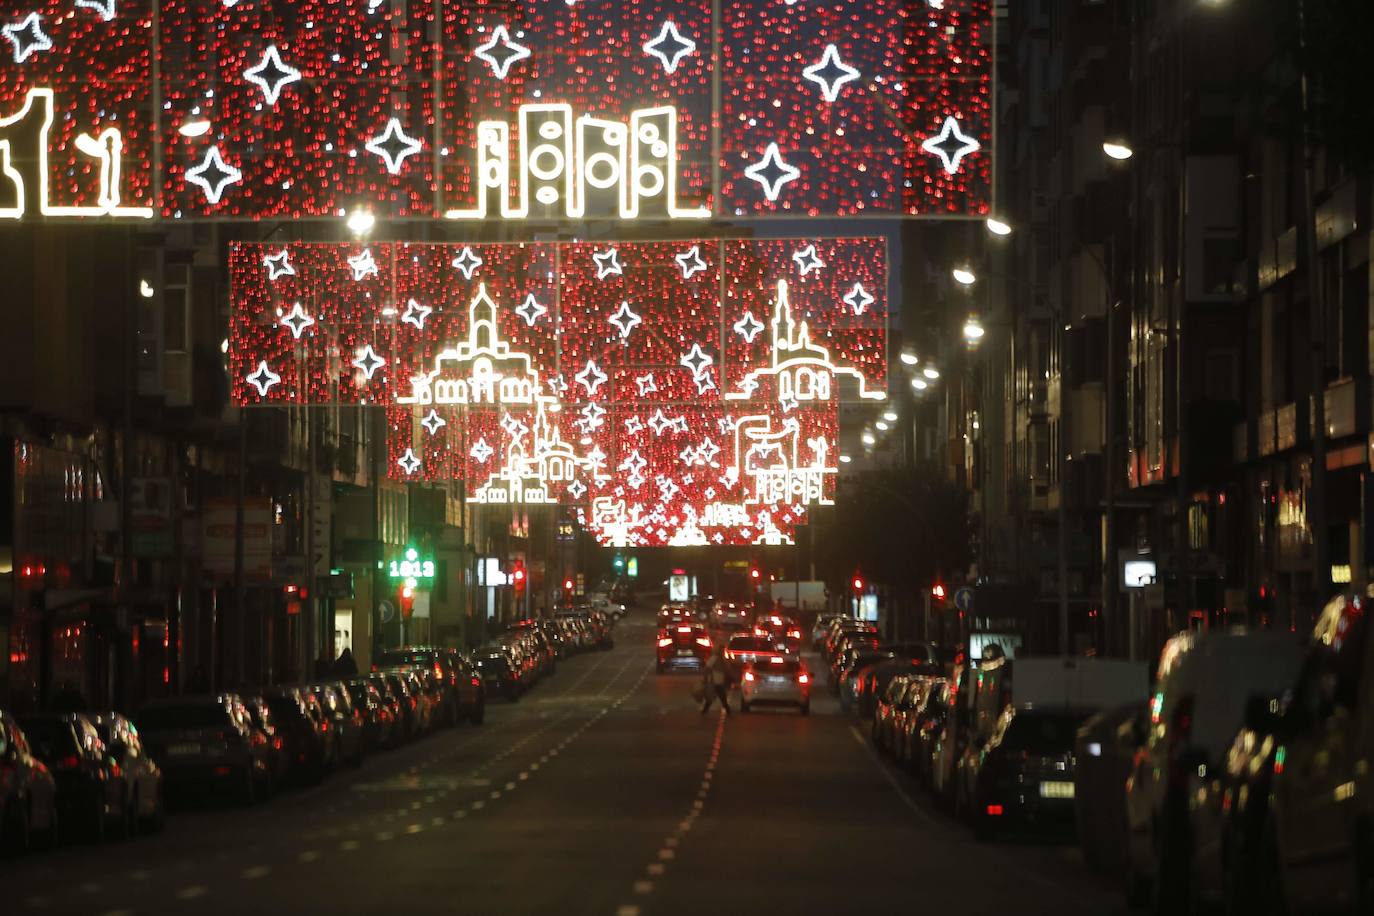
(411, 567)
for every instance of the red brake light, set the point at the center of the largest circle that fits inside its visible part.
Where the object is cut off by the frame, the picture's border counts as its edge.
(803, 678)
(664, 641)
(70, 762)
(684, 629)
(704, 641)
(476, 682)
(994, 810)
(748, 675)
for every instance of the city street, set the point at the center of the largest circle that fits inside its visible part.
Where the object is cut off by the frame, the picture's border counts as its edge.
(606, 792)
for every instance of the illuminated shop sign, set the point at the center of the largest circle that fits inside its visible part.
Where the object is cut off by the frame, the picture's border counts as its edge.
(411, 566)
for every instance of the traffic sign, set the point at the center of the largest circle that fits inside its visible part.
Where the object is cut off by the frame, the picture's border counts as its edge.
(963, 599)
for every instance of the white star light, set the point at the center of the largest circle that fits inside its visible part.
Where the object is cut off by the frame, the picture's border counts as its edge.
(634, 425)
(831, 73)
(513, 427)
(771, 172)
(263, 379)
(223, 174)
(278, 265)
(593, 417)
(691, 263)
(607, 264)
(468, 262)
(408, 462)
(481, 451)
(670, 47)
(696, 360)
(591, 378)
(808, 260)
(531, 310)
(625, 320)
(433, 422)
(416, 314)
(646, 384)
(297, 320)
(368, 361)
(510, 52)
(104, 8)
(577, 489)
(708, 451)
(393, 145)
(27, 36)
(363, 265)
(748, 327)
(658, 422)
(704, 383)
(635, 464)
(271, 75)
(951, 154)
(858, 299)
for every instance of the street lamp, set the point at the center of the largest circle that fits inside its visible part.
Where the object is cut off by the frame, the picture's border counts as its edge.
(909, 358)
(998, 227)
(890, 416)
(1117, 150)
(973, 331)
(845, 459)
(931, 373)
(919, 384)
(882, 426)
(868, 439)
(360, 222)
(964, 277)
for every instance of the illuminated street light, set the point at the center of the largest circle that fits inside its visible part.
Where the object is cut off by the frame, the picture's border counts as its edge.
(920, 384)
(845, 459)
(930, 373)
(882, 425)
(360, 222)
(909, 358)
(973, 331)
(868, 439)
(890, 416)
(997, 227)
(1118, 151)
(964, 277)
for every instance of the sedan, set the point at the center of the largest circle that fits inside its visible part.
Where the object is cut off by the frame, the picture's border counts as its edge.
(207, 744)
(686, 645)
(28, 794)
(777, 681)
(142, 774)
(92, 791)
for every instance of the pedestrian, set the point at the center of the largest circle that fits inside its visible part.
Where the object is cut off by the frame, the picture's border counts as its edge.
(715, 682)
(344, 665)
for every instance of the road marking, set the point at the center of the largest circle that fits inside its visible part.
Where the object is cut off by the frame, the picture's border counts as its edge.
(891, 780)
(192, 892)
(628, 909)
(349, 845)
(644, 887)
(309, 855)
(255, 872)
(655, 868)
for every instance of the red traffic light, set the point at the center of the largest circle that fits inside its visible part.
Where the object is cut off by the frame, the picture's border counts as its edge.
(937, 591)
(517, 576)
(406, 600)
(567, 585)
(754, 572)
(858, 584)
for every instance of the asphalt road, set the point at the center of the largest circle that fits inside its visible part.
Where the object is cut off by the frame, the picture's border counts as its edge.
(604, 791)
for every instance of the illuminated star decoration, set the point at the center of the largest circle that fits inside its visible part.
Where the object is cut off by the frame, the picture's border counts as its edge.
(213, 175)
(625, 320)
(831, 73)
(771, 172)
(279, 265)
(531, 310)
(408, 462)
(748, 327)
(807, 260)
(591, 378)
(658, 422)
(696, 360)
(468, 262)
(634, 425)
(433, 422)
(858, 299)
(577, 489)
(509, 53)
(481, 451)
(593, 417)
(104, 8)
(263, 378)
(635, 464)
(297, 320)
(951, 145)
(368, 361)
(416, 314)
(607, 264)
(670, 47)
(691, 263)
(363, 265)
(704, 383)
(646, 385)
(271, 75)
(27, 36)
(513, 427)
(393, 146)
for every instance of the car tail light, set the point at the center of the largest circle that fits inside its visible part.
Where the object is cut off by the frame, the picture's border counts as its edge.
(994, 810)
(794, 633)
(748, 675)
(684, 629)
(803, 678)
(438, 670)
(70, 762)
(222, 771)
(477, 682)
(277, 743)
(664, 641)
(704, 641)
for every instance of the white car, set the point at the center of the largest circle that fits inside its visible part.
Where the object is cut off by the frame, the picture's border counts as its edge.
(779, 680)
(606, 606)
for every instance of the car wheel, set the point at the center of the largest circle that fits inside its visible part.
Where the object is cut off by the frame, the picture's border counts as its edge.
(158, 819)
(658, 667)
(97, 820)
(53, 838)
(513, 695)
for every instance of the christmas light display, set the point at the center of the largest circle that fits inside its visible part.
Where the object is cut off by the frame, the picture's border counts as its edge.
(666, 412)
(478, 109)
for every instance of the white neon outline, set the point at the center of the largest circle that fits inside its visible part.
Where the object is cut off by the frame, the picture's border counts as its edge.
(625, 320)
(531, 310)
(363, 265)
(433, 422)
(685, 47)
(704, 382)
(501, 68)
(228, 175)
(272, 90)
(279, 265)
(659, 423)
(103, 8)
(646, 384)
(593, 417)
(830, 90)
(481, 452)
(394, 160)
(416, 314)
(691, 262)
(608, 263)
(41, 41)
(696, 360)
(748, 327)
(635, 464)
(807, 260)
(577, 489)
(859, 299)
(263, 378)
(297, 320)
(634, 425)
(591, 378)
(368, 362)
(409, 463)
(935, 145)
(513, 427)
(772, 156)
(467, 262)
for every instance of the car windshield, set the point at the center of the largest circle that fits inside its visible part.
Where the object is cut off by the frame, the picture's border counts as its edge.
(183, 715)
(283, 706)
(787, 666)
(751, 644)
(1042, 733)
(50, 738)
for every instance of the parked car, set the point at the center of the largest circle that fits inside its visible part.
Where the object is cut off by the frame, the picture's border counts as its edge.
(1301, 794)
(821, 629)
(379, 722)
(778, 680)
(920, 730)
(1104, 753)
(1204, 684)
(684, 645)
(143, 777)
(28, 792)
(894, 698)
(92, 790)
(469, 690)
(280, 763)
(395, 699)
(307, 739)
(207, 744)
(500, 674)
(338, 709)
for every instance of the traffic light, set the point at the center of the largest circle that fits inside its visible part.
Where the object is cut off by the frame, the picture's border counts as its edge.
(517, 577)
(937, 591)
(857, 583)
(568, 586)
(755, 574)
(619, 564)
(405, 596)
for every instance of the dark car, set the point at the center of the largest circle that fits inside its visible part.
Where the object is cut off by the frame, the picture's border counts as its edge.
(442, 662)
(393, 698)
(307, 740)
(471, 693)
(499, 670)
(746, 649)
(28, 793)
(1103, 753)
(684, 645)
(1024, 774)
(379, 721)
(92, 792)
(142, 774)
(207, 745)
(347, 721)
(278, 761)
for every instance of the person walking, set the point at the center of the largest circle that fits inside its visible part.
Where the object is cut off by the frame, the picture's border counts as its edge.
(716, 682)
